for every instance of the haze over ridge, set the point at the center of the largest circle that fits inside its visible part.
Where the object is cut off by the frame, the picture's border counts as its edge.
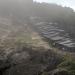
(68, 3)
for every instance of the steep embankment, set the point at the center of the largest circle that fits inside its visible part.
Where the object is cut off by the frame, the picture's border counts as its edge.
(22, 50)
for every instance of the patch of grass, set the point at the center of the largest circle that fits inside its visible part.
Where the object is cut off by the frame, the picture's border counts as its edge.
(68, 64)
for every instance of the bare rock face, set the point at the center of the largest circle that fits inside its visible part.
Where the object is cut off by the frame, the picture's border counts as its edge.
(24, 69)
(28, 61)
(19, 57)
(13, 58)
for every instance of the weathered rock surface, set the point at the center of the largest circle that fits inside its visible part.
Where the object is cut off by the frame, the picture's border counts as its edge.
(29, 61)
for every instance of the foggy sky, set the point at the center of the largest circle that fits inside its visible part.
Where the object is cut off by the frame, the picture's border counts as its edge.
(68, 3)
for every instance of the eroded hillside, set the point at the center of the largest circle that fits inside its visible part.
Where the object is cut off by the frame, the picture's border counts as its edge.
(19, 44)
(28, 38)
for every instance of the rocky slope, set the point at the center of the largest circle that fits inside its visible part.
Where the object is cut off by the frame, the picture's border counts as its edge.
(22, 50)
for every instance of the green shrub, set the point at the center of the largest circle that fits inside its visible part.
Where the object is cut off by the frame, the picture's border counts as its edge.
(69, 65)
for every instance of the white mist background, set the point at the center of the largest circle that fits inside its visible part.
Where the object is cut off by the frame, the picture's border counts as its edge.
(67, 3)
